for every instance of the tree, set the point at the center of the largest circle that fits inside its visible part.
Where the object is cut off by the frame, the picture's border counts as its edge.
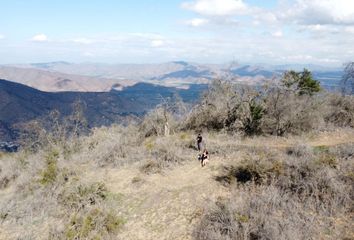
(347, 83)
(301, 82)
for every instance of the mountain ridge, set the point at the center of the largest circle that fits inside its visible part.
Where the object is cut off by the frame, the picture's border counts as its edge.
(20, 103)
(171, 74)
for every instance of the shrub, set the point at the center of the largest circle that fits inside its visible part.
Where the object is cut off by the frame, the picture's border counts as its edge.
(158, 122)
(286, 112)
(301, 82)
(151, 166)
(80, 196)
(95, 223)
(49, 174)
(340, 111)
(290, 106)
(301, 151)
(284, 199)
(255, 167)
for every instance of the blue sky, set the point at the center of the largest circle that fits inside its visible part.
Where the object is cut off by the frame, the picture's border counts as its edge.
(206, 31)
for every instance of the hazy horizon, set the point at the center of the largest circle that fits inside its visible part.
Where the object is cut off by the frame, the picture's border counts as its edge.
(338, 66)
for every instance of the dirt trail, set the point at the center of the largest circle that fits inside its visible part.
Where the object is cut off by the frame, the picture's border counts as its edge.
(164, 206)
(322, 139)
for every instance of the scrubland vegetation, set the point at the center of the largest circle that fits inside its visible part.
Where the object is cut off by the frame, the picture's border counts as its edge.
(281, 167)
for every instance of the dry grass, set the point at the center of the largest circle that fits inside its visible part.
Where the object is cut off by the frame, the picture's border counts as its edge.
(136, 182)
(48, 189)
(104, 187)
(300, 193)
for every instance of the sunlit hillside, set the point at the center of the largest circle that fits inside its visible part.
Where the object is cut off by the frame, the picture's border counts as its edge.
(269, 175)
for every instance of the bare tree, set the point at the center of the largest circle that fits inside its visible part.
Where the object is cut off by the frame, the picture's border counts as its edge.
(347, 83)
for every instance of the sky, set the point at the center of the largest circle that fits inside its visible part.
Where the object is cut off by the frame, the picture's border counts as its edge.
(153, 31)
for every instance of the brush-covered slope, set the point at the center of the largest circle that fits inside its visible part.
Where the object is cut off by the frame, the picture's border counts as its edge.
(20, 103)
(116, 184)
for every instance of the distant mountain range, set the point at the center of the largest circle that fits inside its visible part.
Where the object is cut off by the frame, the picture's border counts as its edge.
(51, 81)
(111, 92)
(20, 103)
(93, 77)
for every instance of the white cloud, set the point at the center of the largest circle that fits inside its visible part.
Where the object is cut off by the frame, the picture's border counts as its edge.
(197, 22)
(277, 34)
(349, 30)
(88, 54)
(2, 36)
(157, 43)
(40, 38)
(263, 16)
(216, 7)
(83, 40)
(322, 12)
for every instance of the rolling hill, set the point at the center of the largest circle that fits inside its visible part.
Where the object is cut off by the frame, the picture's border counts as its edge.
(20, 103)
(101, 77)
(51, 81)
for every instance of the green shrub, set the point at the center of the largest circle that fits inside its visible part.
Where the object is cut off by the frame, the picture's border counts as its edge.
(80, 196)
(93, 224)
(302, 82)
(327, 160)
(321, 149)
(50, 173)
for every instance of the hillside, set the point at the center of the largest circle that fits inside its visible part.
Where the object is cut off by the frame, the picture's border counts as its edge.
(281, 166)
(20, 104)
(51, 81)
(181, 73)
(175, 201)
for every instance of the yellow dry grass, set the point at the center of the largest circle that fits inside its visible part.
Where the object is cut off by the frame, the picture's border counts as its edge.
(169, 205)
(163, 206)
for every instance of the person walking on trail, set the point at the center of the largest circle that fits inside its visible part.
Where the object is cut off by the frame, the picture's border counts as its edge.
(199, 142)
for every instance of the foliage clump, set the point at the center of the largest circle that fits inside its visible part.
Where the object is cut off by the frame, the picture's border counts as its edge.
(50, 172)
(93, 224)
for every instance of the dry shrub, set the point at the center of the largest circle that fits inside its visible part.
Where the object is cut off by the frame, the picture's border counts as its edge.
(154, 122)
(258, 166)
(151, 167)
(88, 215)
(81, 195)
(276, 110)
(286, 112)
(163, 153)
(295, 195)
(340, 110)
(49, 191)
(257, 213)
(113, 146)
(343, 151)
(10, 169)
(227, 106)
(54, 130)
(301, 150)
(213, 110)
(95, 223)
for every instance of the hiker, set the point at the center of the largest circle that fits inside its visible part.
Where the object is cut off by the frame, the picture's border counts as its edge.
(199, 142)
(204, 158)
